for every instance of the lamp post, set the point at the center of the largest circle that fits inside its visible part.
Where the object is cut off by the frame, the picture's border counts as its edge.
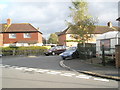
(103, 54)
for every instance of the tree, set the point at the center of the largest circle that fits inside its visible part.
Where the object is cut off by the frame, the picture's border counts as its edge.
(53, 39)
(82, 24)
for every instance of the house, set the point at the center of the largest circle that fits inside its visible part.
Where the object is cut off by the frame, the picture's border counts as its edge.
(19, 34)
(66, 37)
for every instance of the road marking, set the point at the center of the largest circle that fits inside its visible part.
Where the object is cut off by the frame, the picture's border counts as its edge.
(41, 71)
(100, 79)
(53, 72)
(7, 66)
(2, 66)
(67, 74)
(18, 68)
(33, 69)
(14, 67)
(28, 70)
(32, 56)
(83, 76)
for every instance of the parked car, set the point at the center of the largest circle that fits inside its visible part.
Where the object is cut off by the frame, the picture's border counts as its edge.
(0, 55)
(55, 50)
(70, 53)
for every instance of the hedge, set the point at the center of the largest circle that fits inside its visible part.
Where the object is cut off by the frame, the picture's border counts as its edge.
(31, 50)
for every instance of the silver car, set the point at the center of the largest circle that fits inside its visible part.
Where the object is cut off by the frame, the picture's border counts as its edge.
(70, 53)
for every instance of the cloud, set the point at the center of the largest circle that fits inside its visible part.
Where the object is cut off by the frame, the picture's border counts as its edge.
(105, 11)
(50, 15)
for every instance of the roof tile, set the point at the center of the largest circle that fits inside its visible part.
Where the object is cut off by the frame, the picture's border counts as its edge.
(18, 27)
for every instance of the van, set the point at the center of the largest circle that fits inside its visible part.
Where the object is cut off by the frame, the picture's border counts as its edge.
(109, 40)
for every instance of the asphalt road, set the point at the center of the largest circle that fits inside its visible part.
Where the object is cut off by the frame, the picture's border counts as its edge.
(45, 72)
(42, 62)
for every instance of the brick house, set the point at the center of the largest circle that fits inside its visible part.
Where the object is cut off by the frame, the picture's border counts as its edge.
(19, 34)
(65, 37)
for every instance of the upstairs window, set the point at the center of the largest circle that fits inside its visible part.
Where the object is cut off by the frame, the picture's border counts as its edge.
(12, 35)
(27, 35)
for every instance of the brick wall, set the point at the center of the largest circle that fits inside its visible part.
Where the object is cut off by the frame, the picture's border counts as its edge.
(1, 39)
(62, 39)
(20, 37)
(117, 55)
(39, 38)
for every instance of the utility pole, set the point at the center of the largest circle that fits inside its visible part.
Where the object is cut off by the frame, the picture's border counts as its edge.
(103, 55)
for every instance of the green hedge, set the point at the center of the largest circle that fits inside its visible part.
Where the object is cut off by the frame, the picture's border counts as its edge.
(31, 50)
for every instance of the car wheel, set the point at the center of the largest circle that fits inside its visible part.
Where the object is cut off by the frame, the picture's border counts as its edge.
(47, 54)
(63, 58)
(53, 53)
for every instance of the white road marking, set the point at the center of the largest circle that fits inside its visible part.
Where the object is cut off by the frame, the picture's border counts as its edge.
(14, 67)
(100, 79)
(33, 69)
(27, 69)
(18, 68)
(2, 66)
(53, 72)
(67, 74)
(41, 71)
(7, 65)
(32, 56)
(83, 76)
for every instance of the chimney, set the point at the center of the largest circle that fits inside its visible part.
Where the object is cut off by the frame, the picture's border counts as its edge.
(38, 28)
(8, 21)
(109, 24)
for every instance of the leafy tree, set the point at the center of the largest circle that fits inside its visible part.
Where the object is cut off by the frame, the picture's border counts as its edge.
(53, 39)
(82, 24)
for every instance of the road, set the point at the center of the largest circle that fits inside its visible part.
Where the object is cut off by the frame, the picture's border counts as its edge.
(45, 72)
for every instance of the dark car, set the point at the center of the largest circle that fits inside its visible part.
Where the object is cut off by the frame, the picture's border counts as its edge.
(55, 50)
(70, 53)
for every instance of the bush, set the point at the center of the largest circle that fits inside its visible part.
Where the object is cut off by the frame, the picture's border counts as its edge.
(31, 50)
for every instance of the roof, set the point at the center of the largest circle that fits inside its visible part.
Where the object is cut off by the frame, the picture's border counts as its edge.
(18, 27)
(108, 35)
(98, 30)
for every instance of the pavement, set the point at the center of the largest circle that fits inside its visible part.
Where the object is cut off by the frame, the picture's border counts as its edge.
(92, 67)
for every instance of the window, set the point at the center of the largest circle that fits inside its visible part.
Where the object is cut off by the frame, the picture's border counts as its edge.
(27, 35)
(12, 35)
(106, 44)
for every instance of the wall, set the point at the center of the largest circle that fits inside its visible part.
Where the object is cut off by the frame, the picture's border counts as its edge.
(62, 39)
(19, 37)
(117, 56)
(93, 39)
(39, 37)
(1, 39)
(69, 37)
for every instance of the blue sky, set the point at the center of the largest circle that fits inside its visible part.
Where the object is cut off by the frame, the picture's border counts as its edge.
(50, 15)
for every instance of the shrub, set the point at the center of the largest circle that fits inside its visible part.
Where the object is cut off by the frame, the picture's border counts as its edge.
(31, 50)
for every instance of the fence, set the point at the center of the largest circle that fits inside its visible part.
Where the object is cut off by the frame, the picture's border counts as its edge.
(106, 55)
(87, 51)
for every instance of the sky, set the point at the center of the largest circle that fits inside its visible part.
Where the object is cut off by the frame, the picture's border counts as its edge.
(51, 15)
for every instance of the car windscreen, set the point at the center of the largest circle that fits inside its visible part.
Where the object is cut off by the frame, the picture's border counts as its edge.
(71, 49)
